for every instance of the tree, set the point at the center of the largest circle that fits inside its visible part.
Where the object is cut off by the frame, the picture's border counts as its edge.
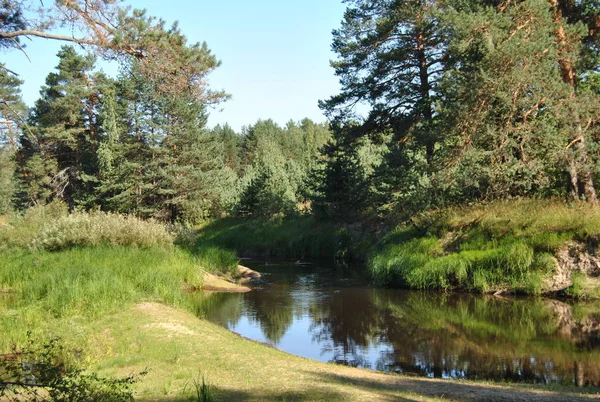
(515, 108)
(12, 111)
(117, 33)
(391, 56)
(581, 181)
(57, 156)
(156, 159)
(11, 20)
(342, 181)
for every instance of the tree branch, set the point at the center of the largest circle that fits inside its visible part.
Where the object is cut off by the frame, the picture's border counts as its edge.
(25, 32)
(2, 66)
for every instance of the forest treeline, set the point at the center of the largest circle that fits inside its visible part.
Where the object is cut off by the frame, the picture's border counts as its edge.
(441, 103)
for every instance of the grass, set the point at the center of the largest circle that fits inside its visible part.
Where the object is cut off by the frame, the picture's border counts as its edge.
(123, 309)
(501, 246)
(300, 237)
(174, 346)
(40, 289)
(85, 283)
(52, 228)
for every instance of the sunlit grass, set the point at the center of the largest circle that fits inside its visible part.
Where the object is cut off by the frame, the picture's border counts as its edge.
(504, 245)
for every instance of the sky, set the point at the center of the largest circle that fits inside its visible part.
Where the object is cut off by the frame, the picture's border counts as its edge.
(275, 55)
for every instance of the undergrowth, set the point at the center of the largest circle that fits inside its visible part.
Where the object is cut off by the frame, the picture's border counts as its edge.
(52, 228)
(300, 237)
(44, 373)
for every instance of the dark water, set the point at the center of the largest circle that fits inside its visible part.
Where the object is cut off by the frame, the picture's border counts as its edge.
(326, 313)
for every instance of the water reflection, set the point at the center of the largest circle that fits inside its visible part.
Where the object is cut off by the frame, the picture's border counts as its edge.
(324, 313)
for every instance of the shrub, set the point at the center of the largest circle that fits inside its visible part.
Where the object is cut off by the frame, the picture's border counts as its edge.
(24, 372)
(97, 228)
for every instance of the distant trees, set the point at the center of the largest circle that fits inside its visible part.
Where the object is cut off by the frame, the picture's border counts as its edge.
(121, 144)
(279, 165)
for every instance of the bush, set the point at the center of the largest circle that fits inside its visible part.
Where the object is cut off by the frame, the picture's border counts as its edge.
(25, 372)
(97, 228)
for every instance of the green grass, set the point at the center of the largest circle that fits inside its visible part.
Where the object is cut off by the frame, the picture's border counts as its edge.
(300, 237)
(85, 283)
(43, 288)
(505, 245)
(174, 346)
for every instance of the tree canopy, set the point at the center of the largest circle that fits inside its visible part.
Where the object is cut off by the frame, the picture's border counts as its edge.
(115, 32)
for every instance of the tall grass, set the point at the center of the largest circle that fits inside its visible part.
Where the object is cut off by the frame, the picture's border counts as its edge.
(98, 228)
(92, 281)
(89, 283)
(56, 266)
(499, 246)
(52, 228)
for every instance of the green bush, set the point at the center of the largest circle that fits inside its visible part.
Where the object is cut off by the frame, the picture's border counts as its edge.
(40, 373)
(97, 228)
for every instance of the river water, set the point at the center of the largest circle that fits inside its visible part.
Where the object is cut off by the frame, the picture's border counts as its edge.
(323, 312)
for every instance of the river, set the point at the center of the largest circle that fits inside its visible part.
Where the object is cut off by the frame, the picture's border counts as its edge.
(323, 312)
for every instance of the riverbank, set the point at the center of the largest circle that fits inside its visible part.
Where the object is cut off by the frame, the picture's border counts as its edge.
(127, 326)
(535, 247)
(176, 348)
(121, 309)
(523, 247)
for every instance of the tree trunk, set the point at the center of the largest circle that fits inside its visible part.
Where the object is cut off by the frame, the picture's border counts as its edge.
(585, 176)
(580, 177)
(424, 88)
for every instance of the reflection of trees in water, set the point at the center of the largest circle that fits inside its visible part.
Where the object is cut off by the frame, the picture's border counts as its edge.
(273, 310)
(466, 336)
(344, 325)
(430, 334)
(223, 308)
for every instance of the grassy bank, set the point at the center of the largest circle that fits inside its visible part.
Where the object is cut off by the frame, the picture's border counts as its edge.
(297, 237)
(58, 266)
(517, 246)
(502, 246)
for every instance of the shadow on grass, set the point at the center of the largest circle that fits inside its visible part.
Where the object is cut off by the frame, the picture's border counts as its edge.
(221, 395)
(316, 393)
(448, 389)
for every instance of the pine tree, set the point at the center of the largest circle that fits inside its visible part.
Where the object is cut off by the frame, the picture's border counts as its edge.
(342, 191)
(509, 106)
(57, 157)
(12, 112)
(391, 57)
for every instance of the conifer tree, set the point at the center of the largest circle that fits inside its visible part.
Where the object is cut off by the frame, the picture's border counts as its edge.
(391, 56)
(12, 113)
(342, 190)
(511, 110)
(57, 157)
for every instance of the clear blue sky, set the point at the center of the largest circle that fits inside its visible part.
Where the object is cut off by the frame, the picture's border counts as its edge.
(275, 54)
